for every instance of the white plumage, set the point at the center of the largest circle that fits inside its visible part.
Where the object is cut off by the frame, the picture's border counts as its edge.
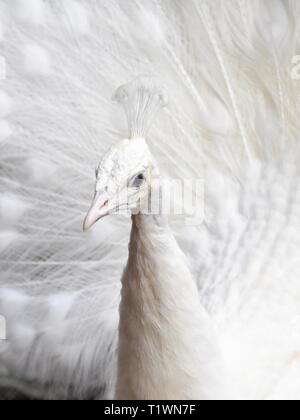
(232, 119)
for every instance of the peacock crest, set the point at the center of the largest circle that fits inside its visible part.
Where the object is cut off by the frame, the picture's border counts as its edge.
(141, 99)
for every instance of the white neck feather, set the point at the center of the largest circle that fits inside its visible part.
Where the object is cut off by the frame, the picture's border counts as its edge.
(165, 337)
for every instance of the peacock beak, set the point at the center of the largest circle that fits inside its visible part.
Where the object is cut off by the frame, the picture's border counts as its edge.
(99, 209)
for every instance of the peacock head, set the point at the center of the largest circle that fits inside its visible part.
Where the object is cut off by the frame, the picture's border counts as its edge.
(127, 171)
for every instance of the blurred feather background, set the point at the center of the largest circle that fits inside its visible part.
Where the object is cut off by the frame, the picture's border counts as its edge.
(233, 111)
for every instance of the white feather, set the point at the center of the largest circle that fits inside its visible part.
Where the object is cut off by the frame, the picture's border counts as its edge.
(36, 59)
(6, 104)
(6, 130)
(30, 11)
(233, 119)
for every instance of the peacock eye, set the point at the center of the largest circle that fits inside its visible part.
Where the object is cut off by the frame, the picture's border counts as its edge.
(138, 181)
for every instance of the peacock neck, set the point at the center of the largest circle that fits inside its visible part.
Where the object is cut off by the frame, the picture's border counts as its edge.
(144, 225)
(162, 324)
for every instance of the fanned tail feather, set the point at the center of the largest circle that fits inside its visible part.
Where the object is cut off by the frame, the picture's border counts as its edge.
(232, 119)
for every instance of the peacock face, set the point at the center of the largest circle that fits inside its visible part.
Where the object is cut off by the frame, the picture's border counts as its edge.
(123, 179)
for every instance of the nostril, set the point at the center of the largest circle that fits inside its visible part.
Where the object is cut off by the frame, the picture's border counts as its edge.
(104, 204)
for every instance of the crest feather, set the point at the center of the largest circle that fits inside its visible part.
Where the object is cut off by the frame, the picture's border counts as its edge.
(142, 98)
